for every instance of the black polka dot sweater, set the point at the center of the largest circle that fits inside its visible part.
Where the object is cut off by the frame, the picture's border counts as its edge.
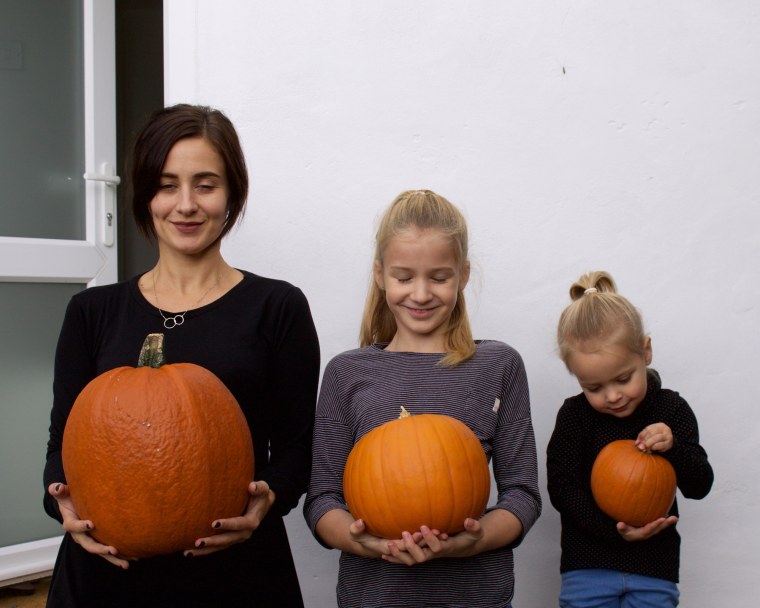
(589, 537)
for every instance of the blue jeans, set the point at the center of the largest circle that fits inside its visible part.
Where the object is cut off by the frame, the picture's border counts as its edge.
(612, 589)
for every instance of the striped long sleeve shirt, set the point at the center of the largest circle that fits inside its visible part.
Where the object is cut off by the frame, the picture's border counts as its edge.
(364, 388)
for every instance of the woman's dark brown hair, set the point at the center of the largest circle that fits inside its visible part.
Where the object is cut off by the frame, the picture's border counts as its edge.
(164, 129)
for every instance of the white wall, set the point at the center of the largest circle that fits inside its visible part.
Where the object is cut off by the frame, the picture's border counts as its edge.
(575, 136)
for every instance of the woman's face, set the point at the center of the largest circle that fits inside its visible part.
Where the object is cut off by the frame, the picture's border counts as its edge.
(190, 207)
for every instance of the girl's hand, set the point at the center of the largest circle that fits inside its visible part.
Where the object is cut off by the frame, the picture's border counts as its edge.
(372, 546)
(656, 437)
(634, 534)
(236, 530)
(430, 544)
(79, 529)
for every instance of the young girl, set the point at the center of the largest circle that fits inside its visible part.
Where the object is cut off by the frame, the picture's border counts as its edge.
(606, 563)
(417, 351)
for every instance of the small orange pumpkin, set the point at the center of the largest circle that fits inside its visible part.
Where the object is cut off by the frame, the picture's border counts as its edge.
(631, 485)
(154, 454)
(427, 469)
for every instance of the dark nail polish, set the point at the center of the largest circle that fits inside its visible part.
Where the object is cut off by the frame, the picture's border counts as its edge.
(217, 524)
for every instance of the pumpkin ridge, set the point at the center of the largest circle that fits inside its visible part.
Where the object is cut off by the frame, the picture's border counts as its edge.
(454, 495)
(379, 491)
(473, 446)
(425, 510)
(367, 483)
(447, 475)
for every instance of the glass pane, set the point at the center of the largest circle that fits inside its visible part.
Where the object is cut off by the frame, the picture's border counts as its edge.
(30, 319)
(42, 119)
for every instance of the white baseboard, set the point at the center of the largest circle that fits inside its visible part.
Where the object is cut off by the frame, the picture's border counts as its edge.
(28, 561)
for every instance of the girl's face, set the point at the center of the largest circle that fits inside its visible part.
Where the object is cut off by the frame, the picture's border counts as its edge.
(190, 207)
(613, 378)
(421, 278)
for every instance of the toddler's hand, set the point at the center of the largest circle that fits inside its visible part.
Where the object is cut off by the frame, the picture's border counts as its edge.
(634, 534)
(656, 437)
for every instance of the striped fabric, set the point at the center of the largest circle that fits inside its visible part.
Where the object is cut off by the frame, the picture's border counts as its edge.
(366, 387)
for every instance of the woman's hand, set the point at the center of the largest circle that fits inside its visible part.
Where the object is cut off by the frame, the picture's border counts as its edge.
(634, 534)
(80, 529)
(656, 437)
(234, 530)
(429, 544)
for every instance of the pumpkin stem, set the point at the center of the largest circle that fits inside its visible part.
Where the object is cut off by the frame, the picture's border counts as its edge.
(404, 413)
(152, 352)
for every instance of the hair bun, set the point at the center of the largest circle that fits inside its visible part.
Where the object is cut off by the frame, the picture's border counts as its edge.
(597, 281)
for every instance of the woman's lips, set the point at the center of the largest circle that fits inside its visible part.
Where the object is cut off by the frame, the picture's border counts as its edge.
(186, 227)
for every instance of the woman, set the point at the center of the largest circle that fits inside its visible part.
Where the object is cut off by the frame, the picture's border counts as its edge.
(189, 185)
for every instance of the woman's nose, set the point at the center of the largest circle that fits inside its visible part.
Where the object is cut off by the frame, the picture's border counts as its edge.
(186, 201)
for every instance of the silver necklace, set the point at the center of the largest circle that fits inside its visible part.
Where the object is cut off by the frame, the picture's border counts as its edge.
(172, 321)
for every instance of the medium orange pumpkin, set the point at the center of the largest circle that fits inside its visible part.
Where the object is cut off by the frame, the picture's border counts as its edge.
(426, 469)
(154, 454)
(631, 485)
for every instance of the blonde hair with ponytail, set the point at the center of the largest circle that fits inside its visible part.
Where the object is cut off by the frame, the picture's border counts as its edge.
(599, 312)
(420, 209)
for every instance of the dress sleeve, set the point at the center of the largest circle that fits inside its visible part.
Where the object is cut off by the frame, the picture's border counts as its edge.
(295, 376)
(514, 451)
(74, 367)
(333, 441)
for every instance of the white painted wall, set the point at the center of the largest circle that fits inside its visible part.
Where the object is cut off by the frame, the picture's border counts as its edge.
(575, 136)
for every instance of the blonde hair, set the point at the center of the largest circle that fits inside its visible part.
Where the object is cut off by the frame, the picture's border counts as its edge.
(420, 209)
(599, 312)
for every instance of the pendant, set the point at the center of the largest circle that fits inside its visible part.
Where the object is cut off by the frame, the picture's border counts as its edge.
(175, 321)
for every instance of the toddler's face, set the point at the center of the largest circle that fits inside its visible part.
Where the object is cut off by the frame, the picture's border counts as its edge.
(613, 378)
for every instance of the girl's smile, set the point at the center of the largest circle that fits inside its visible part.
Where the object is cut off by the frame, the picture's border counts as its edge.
(421, 313)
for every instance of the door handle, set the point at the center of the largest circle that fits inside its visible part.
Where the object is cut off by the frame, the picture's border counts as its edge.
(108, 195)
(111, 180)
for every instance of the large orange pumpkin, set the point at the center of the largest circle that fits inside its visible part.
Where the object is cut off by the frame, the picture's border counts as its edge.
(154, 454)
(426, 469)
(631, 485)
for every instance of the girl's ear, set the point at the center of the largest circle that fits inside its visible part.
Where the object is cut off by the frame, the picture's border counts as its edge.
(647, 350)
(377, 271)
(465, 276)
